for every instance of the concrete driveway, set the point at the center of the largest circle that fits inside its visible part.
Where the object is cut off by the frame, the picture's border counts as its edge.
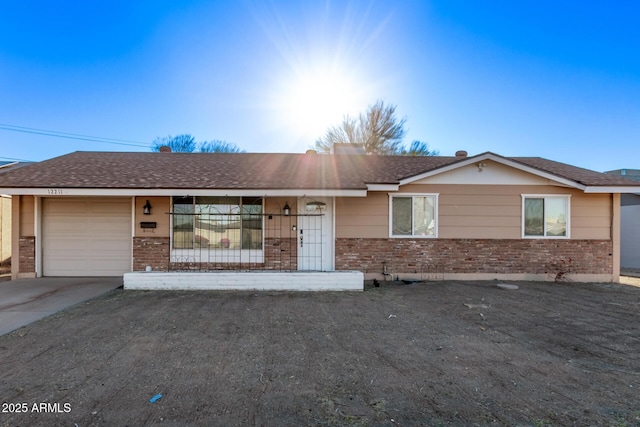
(27, 300)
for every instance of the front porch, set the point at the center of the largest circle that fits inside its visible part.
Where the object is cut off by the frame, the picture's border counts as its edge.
(203, 234)
(247, 280)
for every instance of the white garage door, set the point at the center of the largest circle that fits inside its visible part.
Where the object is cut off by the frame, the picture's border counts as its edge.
(86, 236)
(630, 236)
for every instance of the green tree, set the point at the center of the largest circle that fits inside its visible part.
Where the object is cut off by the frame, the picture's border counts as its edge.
(378, 130)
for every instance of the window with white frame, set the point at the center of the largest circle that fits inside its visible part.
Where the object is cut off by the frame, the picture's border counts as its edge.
(217, 222)
(413, 215)
(545, 216)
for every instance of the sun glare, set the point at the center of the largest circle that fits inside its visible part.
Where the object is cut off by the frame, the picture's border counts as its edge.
(314, 101)
(329, 69)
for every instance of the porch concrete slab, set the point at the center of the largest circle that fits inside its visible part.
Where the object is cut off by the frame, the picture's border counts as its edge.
(630, 272)
(247, 281)
(24, 301)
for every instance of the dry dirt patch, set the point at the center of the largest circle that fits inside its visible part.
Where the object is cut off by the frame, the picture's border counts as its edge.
(441, 353)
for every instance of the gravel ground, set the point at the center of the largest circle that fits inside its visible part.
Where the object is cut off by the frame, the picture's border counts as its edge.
(437, 353)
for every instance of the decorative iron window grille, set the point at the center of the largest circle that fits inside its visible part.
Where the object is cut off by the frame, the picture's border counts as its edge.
(233, 233)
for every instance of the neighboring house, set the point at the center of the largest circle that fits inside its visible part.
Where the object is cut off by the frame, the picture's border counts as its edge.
(629, 222)
(5, 232)
(480, 217)
(5, 224)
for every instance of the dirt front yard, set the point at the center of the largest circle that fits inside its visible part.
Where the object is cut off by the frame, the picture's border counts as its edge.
(441, 353)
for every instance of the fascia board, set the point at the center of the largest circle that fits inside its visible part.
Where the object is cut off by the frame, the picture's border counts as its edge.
(61, 191)
(8, 165)
(611, 189)
(383, 187)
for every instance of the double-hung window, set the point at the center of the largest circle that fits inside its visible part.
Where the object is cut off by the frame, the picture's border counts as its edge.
(413, 215)
(545, 216)
(217, 222)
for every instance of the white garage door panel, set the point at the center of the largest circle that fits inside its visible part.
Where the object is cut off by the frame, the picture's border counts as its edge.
(630, 236)
(86, 237)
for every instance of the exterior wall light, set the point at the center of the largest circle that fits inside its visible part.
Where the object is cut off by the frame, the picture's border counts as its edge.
(146, 209)
(286, 209)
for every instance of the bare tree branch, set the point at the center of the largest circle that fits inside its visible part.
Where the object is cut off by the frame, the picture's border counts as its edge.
(419, 148)
(180, 144)
(187, 144)
(217, 146)
(378, 130)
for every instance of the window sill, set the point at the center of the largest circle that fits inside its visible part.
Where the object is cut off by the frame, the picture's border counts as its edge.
(548, 237)
(414, 237)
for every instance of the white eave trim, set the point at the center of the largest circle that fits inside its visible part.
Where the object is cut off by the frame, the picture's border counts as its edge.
(8, 165)
(612, 189)
(497, 159)
(383, 187)
(61, 191)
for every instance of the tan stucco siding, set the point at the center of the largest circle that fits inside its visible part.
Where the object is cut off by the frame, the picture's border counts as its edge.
(479, 216)
(591, 216)
(22, 236)
(363, 217)
(160, 208)
(278, 225)
(5, 228)
(27, 206)
(475, 211)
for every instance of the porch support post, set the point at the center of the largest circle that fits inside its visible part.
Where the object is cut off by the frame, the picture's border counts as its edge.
(615, 237)
(15, 237)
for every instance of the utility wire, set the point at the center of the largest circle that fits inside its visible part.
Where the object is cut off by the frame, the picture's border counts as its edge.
(76, 136)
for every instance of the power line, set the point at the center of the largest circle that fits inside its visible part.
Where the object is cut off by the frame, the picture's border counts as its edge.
(76, 136)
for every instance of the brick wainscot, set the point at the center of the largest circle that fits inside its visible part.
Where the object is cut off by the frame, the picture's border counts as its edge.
(552, 257)
(279, 254)
(27, 254)
(152, 251)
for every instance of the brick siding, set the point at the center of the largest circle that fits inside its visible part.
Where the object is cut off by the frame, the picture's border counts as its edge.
(281, 253)
(500, 256)
(27, 255)
(153, 251)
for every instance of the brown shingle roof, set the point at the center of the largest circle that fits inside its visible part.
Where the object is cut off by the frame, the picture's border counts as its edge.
(583, 176)
(184, 170)
(252, 171)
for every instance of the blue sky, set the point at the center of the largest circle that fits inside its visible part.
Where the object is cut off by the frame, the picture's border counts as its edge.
(559, 80)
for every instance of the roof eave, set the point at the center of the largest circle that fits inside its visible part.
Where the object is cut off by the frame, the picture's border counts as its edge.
(57, 192)
(498, 159)
(383, 187)
(612, 189)
(8, 165)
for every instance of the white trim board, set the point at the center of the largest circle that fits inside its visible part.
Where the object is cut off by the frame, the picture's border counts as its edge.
(247, 281)
(60, 191)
